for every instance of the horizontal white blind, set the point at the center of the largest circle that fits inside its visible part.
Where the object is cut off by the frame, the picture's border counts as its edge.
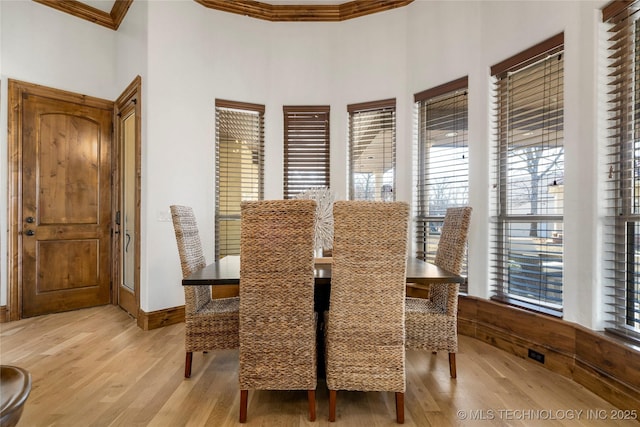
(306, 149)
(442, 173)
(239, 168)
(622, 227)
(528, 197)
(372, 150)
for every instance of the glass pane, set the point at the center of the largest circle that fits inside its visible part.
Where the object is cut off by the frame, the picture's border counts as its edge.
(129, 201)
(372, 154)
(239, 154)
(442, 169)
(445, 153)
(534, 264)
(535, 181)
(306, 149)
(632, 292)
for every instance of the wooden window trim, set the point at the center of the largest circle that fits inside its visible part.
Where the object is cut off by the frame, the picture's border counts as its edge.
(371, 105)
(224, 103)
(529, 56)
(452, 86)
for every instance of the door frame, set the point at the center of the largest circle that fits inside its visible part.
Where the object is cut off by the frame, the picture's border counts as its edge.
(130, 98)
(18, 89)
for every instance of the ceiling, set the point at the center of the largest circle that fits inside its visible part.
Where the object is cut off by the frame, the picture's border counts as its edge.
(110, 13)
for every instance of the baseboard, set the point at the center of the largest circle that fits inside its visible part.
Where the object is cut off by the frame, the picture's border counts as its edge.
(606, 365)
(160, 318)
(170, 316)
(3, 314)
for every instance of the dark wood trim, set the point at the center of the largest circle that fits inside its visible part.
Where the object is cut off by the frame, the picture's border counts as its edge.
(525, 57)
(253, 9)
(14, 199)
(306, 108)
(304, 12)
(458, 84)
(3, 314)
(607, 366)
(158, 319)
(130, 100)
(81, 10)
(169, 316)
(119, 11)
(223, 103)
(615, 7)
(372, 105)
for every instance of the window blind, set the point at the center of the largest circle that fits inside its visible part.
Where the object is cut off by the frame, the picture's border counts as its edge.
(622, 182)
(528, 193)
(306, 148)
(442, 169)
(372, 150)
(239, 168)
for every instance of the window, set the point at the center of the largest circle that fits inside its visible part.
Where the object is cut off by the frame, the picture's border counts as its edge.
(622, 226)
(442, 169)
(306, 149)
(239, 168)
(527, 252)
(372, 150)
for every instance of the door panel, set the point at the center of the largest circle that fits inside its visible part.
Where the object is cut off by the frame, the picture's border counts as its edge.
(67, 174)
(69, 264)
(66, 205)
(127, 184)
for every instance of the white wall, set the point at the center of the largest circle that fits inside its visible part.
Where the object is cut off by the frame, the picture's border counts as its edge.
(467, 38)
(47, 47)
(233, 57)
(189, 56)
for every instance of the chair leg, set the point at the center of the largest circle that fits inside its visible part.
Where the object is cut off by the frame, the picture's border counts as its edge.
(400, 407)
(312, 405)
(187, 364)
(332, 405)
(244, 394)
(452, 364)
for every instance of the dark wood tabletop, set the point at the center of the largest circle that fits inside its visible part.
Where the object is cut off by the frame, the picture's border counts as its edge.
(227, 272)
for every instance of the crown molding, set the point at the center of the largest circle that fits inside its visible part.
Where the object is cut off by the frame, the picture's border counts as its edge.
(81, 10)
(301, 12)
(254, 9)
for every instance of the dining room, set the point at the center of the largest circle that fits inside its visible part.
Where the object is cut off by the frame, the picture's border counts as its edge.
(546, 280)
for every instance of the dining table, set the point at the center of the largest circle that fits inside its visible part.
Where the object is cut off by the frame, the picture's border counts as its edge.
(226, 271)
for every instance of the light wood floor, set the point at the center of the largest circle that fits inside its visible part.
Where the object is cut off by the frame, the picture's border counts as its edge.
(95, 367)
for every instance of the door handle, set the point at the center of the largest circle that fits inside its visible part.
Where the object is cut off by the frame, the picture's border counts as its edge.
(30, 219)
(30, 232)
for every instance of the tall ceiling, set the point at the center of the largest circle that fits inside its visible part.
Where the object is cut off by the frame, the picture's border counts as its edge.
(110, 13)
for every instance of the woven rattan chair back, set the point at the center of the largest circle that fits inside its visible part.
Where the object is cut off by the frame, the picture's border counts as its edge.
(210, 324)
(431, 324)
(191, 256)
(364, 338)
(453, 239)
(277, 319)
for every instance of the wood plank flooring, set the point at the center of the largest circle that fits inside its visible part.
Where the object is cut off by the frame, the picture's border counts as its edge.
(95, 367)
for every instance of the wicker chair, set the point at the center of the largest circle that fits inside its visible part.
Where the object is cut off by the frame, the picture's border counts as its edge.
(277, 320)
(364, 327)
(432, 323)
(210, 324)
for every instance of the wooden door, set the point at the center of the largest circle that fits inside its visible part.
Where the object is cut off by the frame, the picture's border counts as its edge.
(65, 207)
